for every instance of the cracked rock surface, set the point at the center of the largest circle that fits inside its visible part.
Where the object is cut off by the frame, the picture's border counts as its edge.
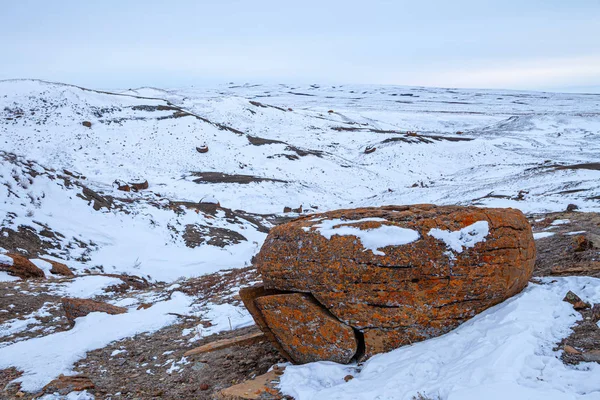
(444, 265)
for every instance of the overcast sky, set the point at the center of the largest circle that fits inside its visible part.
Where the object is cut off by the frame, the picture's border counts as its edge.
(525, 44)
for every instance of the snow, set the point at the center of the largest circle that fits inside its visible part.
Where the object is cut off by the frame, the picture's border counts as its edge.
(223, 317)
(86, 287)
(466, 237)
(575, 233)
(372, 239)
(542, 235)
(504, 352)
(6, 260)
(43, 359)
(5, 277)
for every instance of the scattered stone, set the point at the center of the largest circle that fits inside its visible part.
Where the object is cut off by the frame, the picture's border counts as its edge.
(67, 384)
(348, 378)
(581, 243)
(398, 293)
(20, 266)
(59, 268)
(330, 111)
(576, 301)
(202, 149)
(572, 207)
(596, 313)
(124, 188)
(459, 133)
(139, 186)
(75, 308)
(204, 386)
(306, 330)
(144, 306)
(370, 149)
(571, 350)
(87, 124)
(297, 210)
(243, 340)
(592, 356)
(287, 209)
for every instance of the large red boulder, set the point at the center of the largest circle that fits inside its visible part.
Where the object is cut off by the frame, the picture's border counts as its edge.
(401, 274)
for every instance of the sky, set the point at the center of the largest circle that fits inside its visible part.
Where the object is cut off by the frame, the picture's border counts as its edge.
(526, 44)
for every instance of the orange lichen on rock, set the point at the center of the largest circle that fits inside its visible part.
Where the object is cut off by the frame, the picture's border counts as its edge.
(306, 330)
(457, 262)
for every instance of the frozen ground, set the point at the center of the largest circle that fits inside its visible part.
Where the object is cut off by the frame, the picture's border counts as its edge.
(270, 147)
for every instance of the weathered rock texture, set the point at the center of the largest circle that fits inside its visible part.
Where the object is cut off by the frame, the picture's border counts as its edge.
(306, 330)
(397, 294)
(21, 267)
(75, 308)
(59, 268)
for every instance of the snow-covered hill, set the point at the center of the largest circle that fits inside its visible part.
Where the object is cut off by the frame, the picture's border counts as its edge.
(294, 145)
(65, 150)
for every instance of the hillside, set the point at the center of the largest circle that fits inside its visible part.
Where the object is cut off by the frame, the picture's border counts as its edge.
(185, 243)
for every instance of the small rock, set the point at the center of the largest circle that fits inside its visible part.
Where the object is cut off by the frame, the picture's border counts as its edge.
(204, 386)
(287, 209)
(20, 394)
(596, 313)
(20, 266)
(59, 268)
(592, 356)
(199, 366)
(330, 111)
(67, 384)
(144, 306)
(370, 149)
(139, 186)
(87, 124)
(581, 243)
(202, 149)
(75, 308)
(576, 301)
(572, 207)
(348, 378)
(571, 350)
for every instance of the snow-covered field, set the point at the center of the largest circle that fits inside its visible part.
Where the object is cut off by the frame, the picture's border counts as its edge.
(276, 146)
(513, 150)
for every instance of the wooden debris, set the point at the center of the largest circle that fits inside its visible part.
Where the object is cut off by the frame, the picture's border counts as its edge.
(243, 340)
(262, 387)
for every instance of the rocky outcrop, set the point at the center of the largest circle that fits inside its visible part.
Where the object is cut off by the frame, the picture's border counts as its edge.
(59, 268)
(64, 385)
(20, 266)
(396, 274)
(75, 308)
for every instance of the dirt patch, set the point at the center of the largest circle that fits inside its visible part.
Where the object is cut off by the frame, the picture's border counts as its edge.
(565, 253)
(196, 235)
(219, 177)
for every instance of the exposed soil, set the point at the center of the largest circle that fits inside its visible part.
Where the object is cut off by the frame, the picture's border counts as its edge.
(219, 177)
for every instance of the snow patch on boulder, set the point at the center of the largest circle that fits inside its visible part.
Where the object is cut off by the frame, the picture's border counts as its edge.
(468, 236)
